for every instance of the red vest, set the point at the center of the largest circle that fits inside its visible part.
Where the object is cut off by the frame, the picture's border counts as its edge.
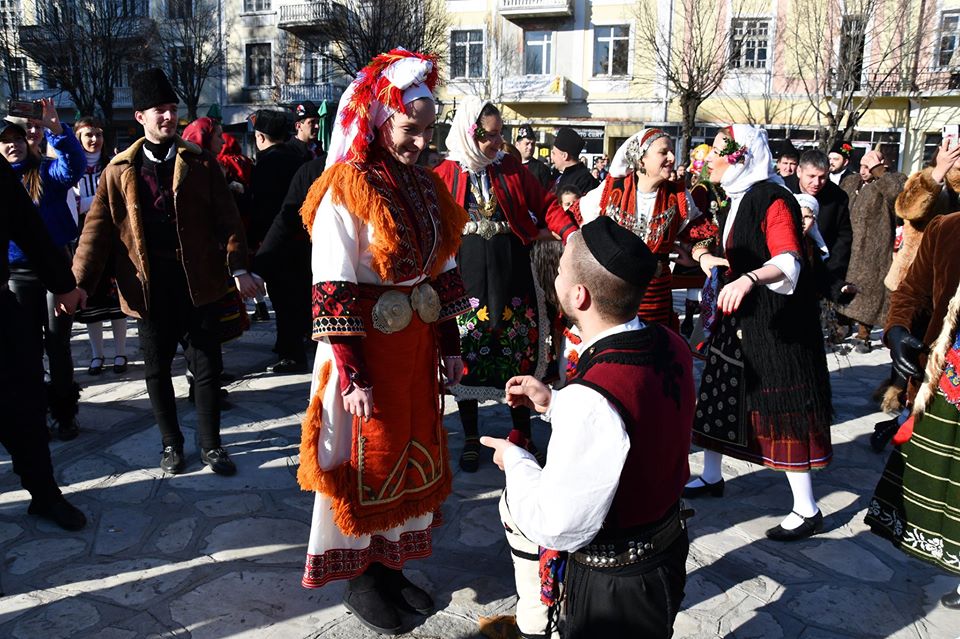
(647, 375)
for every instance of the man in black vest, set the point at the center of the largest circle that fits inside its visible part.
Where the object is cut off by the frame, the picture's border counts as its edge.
(565, 156)
(609, 494)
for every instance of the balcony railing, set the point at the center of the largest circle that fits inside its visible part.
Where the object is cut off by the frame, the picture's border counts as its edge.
(313, 92)
(525, 89)
(536, 8)
(122, 97)
(893, 85)
(305, 14)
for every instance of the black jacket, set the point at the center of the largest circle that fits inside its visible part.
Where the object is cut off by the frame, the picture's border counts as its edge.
(834, 223)
(271, 178)
(539, 170)
(286, 247)
(20, 221)
(577, 175)
(304, 150)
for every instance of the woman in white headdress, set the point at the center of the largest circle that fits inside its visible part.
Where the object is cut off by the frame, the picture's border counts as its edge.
(765, 391)
(385, 297)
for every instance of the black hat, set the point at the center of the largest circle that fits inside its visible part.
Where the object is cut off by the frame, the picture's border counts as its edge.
(305, 109)
(7, 124)
(620, 251)
(569, 141)
(150, 88)
(271, 122)
(526, 131)
(785, 148)
(842, 148)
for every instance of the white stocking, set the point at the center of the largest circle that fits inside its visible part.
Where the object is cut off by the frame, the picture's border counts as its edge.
(712, 462)
(801, 485)
(120, 336)
(95, 331)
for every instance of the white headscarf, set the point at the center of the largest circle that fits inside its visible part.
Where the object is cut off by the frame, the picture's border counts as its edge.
(810, 202)
(757, 166)
(461, 145)
(627, 158)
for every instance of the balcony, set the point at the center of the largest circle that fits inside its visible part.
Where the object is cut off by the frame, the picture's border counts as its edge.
(306, 18)
(926, 82)
(535, 8)
(122, 97)
(290, 93)
(535, 89)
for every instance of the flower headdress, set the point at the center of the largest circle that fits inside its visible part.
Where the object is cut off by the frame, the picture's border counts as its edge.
(734, 152)
(382, 88)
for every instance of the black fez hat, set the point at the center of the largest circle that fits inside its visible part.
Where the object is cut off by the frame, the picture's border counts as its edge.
(526, 131)
(842, 148)
(271, 122)
(569, 141)
(620, 251)
(305, 109)
(785, 148)
(151, 88)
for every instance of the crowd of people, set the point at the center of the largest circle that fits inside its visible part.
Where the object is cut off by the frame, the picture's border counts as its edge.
(485, 274)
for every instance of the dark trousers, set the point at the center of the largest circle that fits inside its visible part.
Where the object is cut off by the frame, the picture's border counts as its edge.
(54, 333)
(173, 318)
(290, 296)
(23, 427)
(630, 602)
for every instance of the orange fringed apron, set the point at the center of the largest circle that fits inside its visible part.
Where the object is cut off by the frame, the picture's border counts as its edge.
(399, 466)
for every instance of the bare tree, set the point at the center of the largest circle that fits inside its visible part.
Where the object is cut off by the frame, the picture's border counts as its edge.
(874, 44)
(84, 46)
(358, 30)
(688, 50)
(190, 39)
(11, 58)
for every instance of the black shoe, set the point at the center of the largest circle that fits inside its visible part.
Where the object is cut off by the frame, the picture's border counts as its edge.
(96, 366)
(59, 511)
(287, 366)
(120, 364)
(67, 429)
(260, 314)
(402, 592)
(470, 457)
(810, 526)
(883, 432)
(714, 490)
(951, 600)
(172, 460)
(218, 460)
(370, 607)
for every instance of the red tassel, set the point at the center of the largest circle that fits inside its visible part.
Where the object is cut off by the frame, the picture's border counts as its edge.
(904, 432)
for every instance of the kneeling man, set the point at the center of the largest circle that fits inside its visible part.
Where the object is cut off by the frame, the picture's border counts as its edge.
(617, 461)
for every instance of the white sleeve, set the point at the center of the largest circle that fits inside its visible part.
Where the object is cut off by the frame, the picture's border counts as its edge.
(336, 243)
(790, 266)
(563, 505)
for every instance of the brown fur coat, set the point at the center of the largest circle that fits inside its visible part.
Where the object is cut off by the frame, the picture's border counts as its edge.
(874, 225)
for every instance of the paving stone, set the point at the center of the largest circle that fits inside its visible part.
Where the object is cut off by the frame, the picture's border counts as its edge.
(8, 532)
(131, 582)
(120, 529)
(230, 505)
(481, 526)
(60, 619)
(176, 536)
(833, 607)
(736, 548)
(259, 539)
(115, 633)
(31, 555)
(848, 558)
(748, 623)
(87, 470)
(261, 604)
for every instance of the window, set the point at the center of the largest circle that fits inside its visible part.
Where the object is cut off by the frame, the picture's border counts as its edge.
(949, 40)
(537, 58)
(749, 43)
(18, 76)
(611, 50)
(466, 54)
(259, 65)
(9, 14)
(256, 5)
(179, 9)
(315, 68)
(130, 8)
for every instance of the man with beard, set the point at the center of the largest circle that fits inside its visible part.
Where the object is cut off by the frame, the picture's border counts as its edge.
(164, 211)
(608, 494)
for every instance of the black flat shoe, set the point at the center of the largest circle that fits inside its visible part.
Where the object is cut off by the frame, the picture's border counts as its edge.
(810, 526)
(714, 490)
(370, 607)
(96, 366)
(172, 460)
(951, 600)
(402, 592)
(883, 432)
(218, 461)
(287, 367)
(470, 457)
(120, 364)
(59, 511)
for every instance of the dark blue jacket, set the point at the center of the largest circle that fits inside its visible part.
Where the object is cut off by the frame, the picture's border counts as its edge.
(59, 175)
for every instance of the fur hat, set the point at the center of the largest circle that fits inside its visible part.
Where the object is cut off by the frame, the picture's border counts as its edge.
(151, 88)
(569, 141)
(270, 122)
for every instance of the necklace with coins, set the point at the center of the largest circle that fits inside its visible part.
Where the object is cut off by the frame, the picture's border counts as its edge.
(488, 206)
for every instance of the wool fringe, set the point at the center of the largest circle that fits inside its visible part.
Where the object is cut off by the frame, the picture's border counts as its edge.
(937, 358)
(309, 475)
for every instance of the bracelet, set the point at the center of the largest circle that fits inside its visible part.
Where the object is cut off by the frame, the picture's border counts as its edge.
(752, 277)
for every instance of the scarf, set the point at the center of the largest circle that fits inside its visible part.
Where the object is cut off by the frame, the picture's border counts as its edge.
(200, 132)
(627, 158)
(236, 166)
(757, 166)
(461, 144)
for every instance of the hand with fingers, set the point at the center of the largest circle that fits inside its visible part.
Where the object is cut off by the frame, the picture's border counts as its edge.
(733, 294)
(526, 390)
(359, 402)
(948, 156)
(905, 351)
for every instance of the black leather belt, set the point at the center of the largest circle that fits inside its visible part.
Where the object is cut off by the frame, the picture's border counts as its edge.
(639, 546)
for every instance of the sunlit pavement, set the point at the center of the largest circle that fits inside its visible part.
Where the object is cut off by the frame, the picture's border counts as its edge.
(203, 556)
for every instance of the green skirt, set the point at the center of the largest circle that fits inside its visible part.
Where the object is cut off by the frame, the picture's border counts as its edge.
(917, 502)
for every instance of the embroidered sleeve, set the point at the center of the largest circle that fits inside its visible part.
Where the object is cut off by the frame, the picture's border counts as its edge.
(453, 296)
(335, 309)
(780, 230)
(700, 230)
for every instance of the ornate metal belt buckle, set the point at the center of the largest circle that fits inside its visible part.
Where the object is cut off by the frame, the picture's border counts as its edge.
(487, 229)
(426, 302)
(392, 312)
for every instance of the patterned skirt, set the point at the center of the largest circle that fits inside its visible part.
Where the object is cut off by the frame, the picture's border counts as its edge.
(723, 424)
(916, 504)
